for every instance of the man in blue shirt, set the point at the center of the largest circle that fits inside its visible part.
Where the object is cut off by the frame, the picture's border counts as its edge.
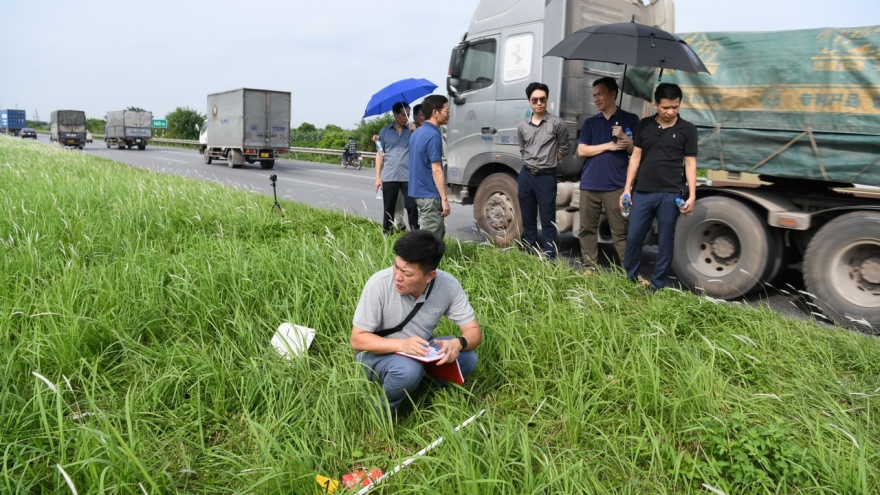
(606, 141)
(426, 181)
(392, 168)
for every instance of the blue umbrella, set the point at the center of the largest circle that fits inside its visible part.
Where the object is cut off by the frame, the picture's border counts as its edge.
(405, 90)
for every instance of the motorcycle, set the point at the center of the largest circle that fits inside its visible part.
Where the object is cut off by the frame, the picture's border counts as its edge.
(354, 160)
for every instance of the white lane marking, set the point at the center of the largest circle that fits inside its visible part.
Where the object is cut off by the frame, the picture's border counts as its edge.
(372, 177)
(310, 183)
(178, 153)
(173, 160)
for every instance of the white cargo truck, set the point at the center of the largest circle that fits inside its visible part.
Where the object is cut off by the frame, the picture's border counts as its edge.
(127, 128)
(246, 126)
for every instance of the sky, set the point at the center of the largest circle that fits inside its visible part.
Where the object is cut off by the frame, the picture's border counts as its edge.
(332, 55)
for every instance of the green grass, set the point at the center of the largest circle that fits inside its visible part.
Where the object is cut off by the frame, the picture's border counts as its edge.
(148, 301)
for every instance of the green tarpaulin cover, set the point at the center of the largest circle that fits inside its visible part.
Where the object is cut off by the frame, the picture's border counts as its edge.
(802, 104)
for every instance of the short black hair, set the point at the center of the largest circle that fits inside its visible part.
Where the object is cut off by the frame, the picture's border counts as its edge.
(433, 102)
(421, 247)
(398, 107)
(667, 91)
(532, 87)
(418, 108)
(609, 82)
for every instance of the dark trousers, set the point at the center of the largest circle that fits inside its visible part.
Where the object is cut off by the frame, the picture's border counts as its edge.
(389, 200)
(537, 195)
(645, 207)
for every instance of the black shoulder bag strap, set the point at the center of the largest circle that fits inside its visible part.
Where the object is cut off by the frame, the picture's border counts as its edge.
(399, 327)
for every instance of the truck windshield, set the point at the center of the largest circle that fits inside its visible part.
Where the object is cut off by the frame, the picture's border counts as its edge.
(478, 66)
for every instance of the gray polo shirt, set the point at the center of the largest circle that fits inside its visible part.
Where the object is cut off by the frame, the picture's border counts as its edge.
(539, 144)
(395, 167)
(381, 306)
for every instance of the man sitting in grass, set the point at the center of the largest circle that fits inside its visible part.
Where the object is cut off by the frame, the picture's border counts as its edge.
(385, 321)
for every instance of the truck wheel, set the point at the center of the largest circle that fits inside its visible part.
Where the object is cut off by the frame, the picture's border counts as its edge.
(725, 248)
(496, 209)
(108, 144)
(121, 145)
(842, 270)
(142, 147)
(207, 158)
(230, 159)
(267, 164)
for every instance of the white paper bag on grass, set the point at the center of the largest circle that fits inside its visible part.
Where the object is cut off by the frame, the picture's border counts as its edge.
(292, 340)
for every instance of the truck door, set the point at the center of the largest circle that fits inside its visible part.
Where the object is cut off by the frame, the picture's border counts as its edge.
(472, 112)
(279, 120)
(256, 118)
(519, 65)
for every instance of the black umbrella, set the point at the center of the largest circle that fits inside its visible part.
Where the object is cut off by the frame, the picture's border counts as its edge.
(629, 43)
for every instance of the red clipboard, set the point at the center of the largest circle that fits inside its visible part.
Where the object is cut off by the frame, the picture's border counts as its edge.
(451, 372)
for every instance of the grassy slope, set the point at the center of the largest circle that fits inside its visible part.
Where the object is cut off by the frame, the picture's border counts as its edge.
(149, 301)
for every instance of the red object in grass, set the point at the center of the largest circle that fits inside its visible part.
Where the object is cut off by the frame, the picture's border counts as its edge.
(352, 480)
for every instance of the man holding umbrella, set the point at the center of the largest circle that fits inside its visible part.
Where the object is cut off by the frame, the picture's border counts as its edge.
(392, 168)
(606, 141)
(663, 143)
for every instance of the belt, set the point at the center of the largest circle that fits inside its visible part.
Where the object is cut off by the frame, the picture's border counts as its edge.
(541, 171)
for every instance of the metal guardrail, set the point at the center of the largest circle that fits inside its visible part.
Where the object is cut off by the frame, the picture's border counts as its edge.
(369, 155)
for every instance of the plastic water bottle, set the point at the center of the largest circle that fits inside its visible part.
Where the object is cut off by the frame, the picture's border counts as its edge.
(627, 206)
(379, 148)
(628, 133)
(680, 203)
(379, 192)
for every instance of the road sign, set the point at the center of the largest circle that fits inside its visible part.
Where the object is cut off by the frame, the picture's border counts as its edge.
(160, 124)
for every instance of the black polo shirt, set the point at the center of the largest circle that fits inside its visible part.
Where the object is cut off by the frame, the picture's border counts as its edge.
(663, 152)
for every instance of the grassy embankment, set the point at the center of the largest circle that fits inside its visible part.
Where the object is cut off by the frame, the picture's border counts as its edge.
(148, 302)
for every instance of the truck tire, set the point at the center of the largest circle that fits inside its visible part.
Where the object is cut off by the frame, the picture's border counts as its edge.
(496, 209)
(142, 147)
(267, 164)
(842, 270)
(725, 248)
(206, 157)
(108, 144)
(230, 159)
(121, 145)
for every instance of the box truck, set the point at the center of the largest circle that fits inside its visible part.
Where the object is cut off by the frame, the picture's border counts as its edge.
(246, 126)
(12, 121)
(127, 128)
(68, 128)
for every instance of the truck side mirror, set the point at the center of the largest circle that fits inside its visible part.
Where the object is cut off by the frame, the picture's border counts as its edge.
(454, 74)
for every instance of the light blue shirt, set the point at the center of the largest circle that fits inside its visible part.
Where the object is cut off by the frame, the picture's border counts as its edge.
(395, 167)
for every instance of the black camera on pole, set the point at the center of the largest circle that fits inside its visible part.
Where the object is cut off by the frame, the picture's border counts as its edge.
(276, 206)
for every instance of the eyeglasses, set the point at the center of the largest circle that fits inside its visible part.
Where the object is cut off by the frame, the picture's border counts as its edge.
(535, 101)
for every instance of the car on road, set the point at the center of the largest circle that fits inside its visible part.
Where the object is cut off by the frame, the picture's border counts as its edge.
(27, 132)
(88, 136)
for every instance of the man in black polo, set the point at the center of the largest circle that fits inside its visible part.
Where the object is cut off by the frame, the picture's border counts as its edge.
(543, 141)
(665, 159)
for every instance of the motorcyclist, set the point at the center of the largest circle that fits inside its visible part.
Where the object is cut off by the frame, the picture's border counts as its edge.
(350, 152)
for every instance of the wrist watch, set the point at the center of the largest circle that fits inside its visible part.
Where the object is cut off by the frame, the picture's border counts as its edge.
(463, 342)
